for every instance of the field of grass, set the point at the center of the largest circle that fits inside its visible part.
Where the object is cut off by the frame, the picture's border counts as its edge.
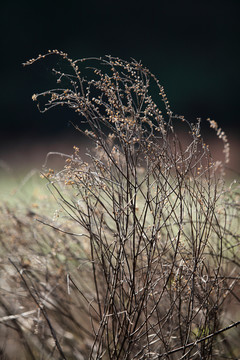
(46, 276)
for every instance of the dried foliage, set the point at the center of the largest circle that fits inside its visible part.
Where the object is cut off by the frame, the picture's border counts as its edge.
(148, 252)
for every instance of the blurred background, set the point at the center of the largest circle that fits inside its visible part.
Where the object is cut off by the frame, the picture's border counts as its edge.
(191, 46)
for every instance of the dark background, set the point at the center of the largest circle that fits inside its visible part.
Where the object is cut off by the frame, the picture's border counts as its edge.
(191, 46)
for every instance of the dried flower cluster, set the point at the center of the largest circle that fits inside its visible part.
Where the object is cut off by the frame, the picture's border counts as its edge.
(221, 135)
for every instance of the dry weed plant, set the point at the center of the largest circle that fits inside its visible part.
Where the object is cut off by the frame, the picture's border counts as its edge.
(146, 261)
